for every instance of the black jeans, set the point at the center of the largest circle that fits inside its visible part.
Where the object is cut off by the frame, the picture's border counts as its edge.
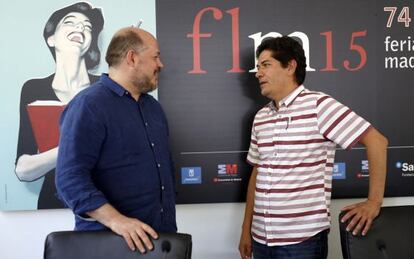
(315, 247)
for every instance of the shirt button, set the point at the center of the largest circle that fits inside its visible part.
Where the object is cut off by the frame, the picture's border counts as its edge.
(146, 124)
(162, 210)
(159, 165)
(162, 187)
(275, 154)
(152, 144)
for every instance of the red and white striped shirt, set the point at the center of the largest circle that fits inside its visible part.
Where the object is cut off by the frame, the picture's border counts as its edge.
(293, 148)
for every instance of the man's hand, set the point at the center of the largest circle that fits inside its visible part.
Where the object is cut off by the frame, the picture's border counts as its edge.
(245, 245)
(134, 232)
(361, 216)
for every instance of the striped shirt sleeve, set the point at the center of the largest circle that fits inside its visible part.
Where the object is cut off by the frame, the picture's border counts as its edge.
(253, 154)
(339, 123)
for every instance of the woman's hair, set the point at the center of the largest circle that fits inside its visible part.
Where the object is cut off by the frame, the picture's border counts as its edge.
(93, 55)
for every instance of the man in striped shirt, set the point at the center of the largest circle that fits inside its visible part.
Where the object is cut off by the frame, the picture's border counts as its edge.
(292, 152)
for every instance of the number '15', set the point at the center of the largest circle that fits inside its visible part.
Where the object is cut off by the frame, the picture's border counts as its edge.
(353, 46)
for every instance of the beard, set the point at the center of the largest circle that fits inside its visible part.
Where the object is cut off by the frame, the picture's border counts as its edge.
(145, 85)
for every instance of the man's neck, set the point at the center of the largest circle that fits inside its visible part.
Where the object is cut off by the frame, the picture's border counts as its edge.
(123, 81)
(284, 93)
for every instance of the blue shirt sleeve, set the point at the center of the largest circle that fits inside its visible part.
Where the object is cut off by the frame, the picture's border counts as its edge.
(81, 138)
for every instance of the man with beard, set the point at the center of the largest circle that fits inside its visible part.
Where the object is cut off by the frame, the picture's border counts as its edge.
(114, 167)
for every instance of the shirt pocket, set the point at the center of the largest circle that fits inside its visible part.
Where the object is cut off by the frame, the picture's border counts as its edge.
(265, 145)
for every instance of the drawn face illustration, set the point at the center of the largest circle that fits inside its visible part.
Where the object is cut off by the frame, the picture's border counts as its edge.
(73, 34)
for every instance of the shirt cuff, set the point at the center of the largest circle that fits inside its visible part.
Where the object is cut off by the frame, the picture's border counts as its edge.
(91, 204)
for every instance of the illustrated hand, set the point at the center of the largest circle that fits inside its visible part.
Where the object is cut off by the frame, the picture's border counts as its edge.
(32, 167)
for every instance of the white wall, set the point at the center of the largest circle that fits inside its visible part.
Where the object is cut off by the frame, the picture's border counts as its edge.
(215, 229)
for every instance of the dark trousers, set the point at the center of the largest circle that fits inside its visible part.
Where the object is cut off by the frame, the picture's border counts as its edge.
(315, 247)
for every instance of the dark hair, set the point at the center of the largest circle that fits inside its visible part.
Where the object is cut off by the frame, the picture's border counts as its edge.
(120, 44)
(284, 49)
(93, 55)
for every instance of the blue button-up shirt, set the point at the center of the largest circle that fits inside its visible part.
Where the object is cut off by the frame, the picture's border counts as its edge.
(115, 150)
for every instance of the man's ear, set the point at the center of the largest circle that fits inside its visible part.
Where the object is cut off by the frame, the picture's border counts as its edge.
(131, 57)
(51, 41)
(292, 65)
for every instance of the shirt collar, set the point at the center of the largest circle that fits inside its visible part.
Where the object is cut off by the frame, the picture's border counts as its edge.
(117, 88)
(292, 96)
(288, 99)
(112, 85)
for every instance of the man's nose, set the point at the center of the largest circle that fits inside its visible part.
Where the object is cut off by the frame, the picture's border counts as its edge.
(160, 64)
(258, 74)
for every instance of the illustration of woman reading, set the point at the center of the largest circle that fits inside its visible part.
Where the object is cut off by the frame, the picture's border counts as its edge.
(71, 34)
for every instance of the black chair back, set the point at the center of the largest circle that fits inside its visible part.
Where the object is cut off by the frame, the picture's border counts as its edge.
(107, 245)
(390, 237)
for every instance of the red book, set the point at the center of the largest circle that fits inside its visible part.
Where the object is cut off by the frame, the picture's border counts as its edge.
(44, 117)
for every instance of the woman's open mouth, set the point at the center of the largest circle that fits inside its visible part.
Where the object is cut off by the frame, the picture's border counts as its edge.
(75, 36)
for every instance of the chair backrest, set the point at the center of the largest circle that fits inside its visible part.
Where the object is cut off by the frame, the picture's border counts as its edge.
(390, 237)
(106, 244)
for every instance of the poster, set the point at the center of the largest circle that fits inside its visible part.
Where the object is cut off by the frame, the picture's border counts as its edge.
(359, 52)
(44, 41)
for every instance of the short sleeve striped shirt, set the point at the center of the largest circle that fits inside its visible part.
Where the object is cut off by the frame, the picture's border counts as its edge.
(293, 148)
